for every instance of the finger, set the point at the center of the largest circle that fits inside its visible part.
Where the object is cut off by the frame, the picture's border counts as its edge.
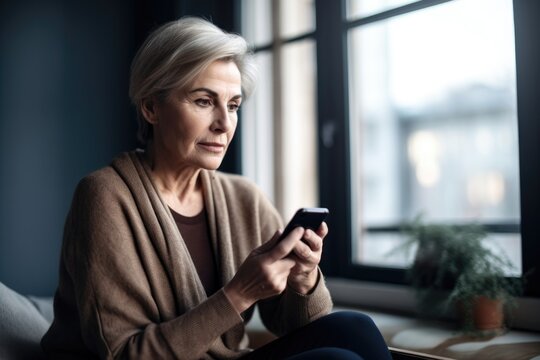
(277, 281)
(314, 241)
(286, 245)
(303, 252)
(322, 231)
(286, 263)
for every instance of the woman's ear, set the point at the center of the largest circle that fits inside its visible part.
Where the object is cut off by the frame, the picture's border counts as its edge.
(149, 110)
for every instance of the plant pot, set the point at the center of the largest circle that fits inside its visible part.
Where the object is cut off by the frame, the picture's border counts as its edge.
(488, 314)
(482, 314)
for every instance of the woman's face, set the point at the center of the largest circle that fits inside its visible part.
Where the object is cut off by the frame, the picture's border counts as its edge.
(194, 128)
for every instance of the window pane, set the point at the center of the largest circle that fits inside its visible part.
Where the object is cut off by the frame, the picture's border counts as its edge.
(296, 17)
(362, 8)
(433, 116)
(257, 128)
(257, 21)
(382, 248)
(299, 126)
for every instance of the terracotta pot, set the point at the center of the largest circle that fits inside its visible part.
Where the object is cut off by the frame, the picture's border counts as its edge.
(488, 314)
(483, 314)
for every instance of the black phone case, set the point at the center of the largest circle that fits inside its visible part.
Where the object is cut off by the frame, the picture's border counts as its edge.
(308, 218)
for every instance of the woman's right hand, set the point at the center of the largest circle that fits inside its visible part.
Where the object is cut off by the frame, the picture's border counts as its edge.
(264, 273)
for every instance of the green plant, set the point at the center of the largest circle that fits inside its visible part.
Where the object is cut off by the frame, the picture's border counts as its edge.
(452, 266)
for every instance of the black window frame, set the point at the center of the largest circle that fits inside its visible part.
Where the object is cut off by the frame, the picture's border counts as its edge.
(333, 143)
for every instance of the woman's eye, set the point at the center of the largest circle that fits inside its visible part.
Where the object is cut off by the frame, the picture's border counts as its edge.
(233, 107)
(203, 102)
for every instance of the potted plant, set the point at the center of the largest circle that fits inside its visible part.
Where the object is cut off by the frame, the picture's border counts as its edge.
(452, 268)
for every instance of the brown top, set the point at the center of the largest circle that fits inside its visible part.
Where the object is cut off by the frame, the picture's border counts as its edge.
(128, 287)
(194, 231)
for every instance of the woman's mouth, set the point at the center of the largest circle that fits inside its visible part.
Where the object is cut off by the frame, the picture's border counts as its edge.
(212, 147)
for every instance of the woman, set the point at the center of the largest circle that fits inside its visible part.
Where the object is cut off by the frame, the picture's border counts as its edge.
(163, 257)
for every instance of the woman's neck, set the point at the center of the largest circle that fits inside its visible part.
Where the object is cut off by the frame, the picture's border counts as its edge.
(178, 185)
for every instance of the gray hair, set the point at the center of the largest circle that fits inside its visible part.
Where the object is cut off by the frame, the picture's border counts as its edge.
(175, 54)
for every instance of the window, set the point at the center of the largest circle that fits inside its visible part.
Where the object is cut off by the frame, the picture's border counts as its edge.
(279, 123)
(415, 106)
(433, 122)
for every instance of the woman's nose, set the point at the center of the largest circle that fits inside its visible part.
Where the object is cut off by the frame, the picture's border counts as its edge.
(222, 120)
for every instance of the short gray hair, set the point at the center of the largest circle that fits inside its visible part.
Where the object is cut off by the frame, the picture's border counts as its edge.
(175, 54)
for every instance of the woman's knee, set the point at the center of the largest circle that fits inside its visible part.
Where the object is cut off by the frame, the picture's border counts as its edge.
(349, 321)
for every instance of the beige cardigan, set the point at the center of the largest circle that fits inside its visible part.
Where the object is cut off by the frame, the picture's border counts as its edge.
(128, 287)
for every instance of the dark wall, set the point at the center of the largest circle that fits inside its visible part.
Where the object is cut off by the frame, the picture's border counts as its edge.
(64, 111)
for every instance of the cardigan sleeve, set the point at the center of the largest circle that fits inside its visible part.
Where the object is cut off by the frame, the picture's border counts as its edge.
(118, 314)
(291, 310)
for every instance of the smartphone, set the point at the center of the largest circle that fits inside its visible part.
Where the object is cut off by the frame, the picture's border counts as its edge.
(308, 218)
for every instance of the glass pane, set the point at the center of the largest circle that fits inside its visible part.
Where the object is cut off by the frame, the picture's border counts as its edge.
(382, 248)
(296, 17)
(257, 21)
(433, 116)
(257, 128)
(299, 135)
(362, 8)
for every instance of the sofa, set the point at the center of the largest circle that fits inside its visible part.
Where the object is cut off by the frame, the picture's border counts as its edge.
(23, 321)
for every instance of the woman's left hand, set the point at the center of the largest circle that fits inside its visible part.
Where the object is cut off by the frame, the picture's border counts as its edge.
(307, 254)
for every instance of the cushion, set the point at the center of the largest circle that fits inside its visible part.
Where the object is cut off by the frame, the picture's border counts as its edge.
(22, 325)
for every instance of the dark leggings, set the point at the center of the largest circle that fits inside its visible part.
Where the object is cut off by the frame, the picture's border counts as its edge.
(340, 335)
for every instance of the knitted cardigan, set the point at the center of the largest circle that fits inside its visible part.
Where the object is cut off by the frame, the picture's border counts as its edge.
(128, 287)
